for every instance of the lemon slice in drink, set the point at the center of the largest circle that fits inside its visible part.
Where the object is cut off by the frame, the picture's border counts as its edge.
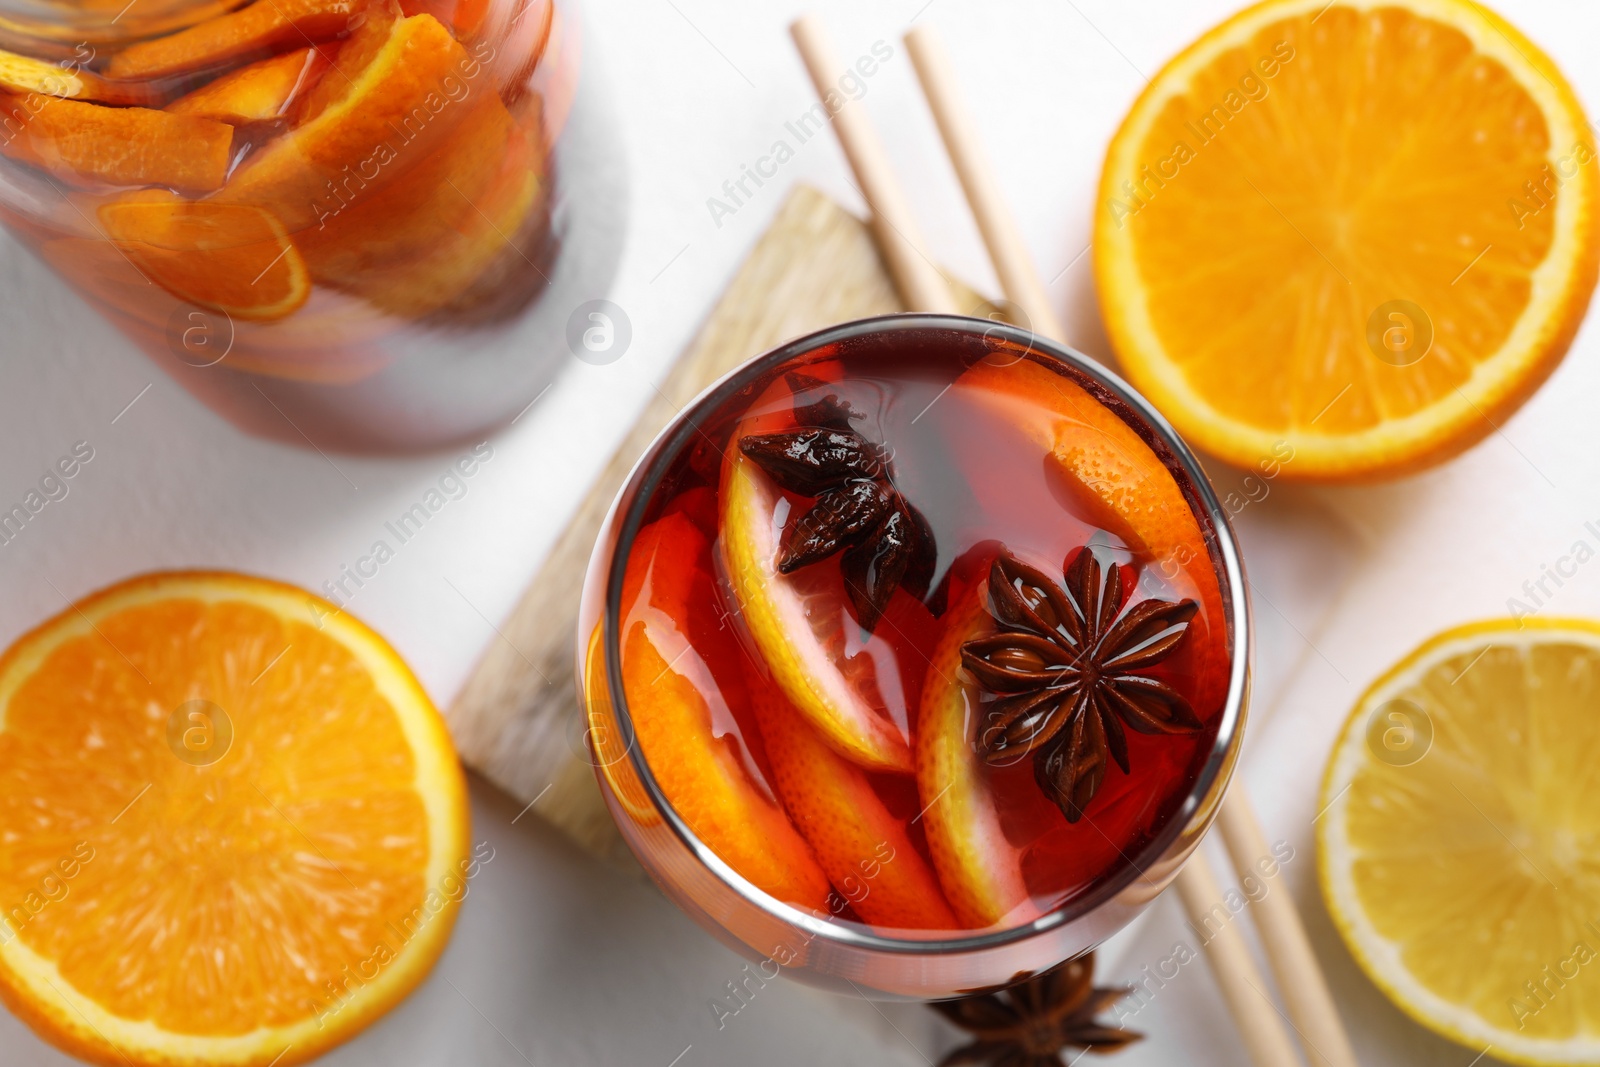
(1459, 848)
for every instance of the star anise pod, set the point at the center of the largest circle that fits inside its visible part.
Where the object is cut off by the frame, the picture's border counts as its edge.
(1030, 1023)
(858, 510)
(1066, 667)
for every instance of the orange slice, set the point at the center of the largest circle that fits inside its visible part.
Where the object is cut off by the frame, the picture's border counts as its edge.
(119, 145)
(419, 207)
(256, 838)
(475, 254)
(261, 27)
(393, 110)
(799, 624)
(463, 16)
(606, 747)
(1116, 481)
(233, 258)
(863, 847)
(670, 689)
(25, 74)
(260, 92)
(1272, 274)
(980, 870)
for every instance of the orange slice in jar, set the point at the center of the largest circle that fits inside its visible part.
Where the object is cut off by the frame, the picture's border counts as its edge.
(260, 92)
(864, 848)
(84, 142)
(247, 812)
(1116, 480)
(478, 246)
(463, 16)
(263, 26)
(670, 690)
(365, 125)
(232, 258)
(421, 206)
(25, 74)
(981, 871)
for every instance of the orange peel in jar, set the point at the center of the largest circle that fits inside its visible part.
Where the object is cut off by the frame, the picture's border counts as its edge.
(25, 74)
(260, 92)
(360, 128)
(84, 143)
(261, 27)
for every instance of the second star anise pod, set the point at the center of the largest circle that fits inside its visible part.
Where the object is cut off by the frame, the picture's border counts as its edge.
(1068, 669)
(1030, 1023)
(858, 510)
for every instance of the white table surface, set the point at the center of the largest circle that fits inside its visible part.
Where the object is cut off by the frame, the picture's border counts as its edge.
(558, 960)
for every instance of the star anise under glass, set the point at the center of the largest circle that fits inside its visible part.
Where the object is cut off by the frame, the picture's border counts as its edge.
(1031, 1023)
(886, 542)
(1066, 667)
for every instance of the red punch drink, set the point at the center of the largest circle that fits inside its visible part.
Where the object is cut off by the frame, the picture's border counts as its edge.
(919, 632)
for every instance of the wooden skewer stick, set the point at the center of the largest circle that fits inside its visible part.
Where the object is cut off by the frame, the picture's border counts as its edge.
(1311, 1006)
(1018, 279)
(921, 285)
(1253, 1012)
(1305, 991)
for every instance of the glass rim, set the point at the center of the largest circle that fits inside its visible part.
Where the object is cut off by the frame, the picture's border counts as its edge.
(645, 480)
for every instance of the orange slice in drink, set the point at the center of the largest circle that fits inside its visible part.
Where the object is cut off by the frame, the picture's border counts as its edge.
(670, 689)
(1117, 481)
(799, 624)
(260, 92)
(84, 142)
(237, 832)
(980, 870)
(263, 26)
(402, 101)
(233, 258)
(863, 847)
(1272, 273)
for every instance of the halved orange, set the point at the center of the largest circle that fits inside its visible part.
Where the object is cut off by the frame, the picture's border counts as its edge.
(386, 104)
(1364, 230)
(82, 142)
(234, 258)
(236, 831)
(261, 27)
(260, 92)
(667, 674)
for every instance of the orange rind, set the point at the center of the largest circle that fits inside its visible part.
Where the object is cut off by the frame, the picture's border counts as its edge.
(86, 143)
(260, 92)
(261, 27)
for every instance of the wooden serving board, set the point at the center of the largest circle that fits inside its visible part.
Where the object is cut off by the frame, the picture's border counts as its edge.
(517, 720)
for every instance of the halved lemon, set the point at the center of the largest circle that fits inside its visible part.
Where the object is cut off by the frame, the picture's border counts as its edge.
(233, 830)
(1458, 844)
(1364, 231)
